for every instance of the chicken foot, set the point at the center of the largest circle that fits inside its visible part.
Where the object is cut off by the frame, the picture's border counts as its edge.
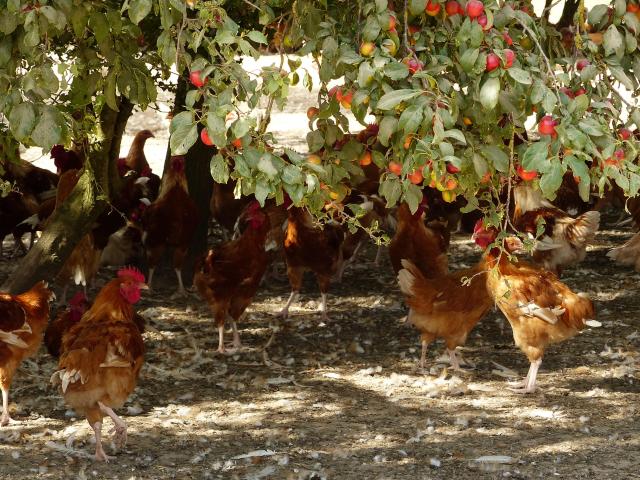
(323, 307)
(120, 428)
(528, 385)
(181, 292)
(5, 418)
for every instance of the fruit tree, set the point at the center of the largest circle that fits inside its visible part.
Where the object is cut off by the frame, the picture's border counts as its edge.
(449, 86)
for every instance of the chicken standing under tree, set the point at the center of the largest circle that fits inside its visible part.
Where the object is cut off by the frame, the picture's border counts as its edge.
(229, 276)
(540, 308)
(101, 356)
(23, 319)
(170, 221)
(308, 246)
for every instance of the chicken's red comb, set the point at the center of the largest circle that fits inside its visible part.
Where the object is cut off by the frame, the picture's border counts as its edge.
(253, 206)
(478, 226)
(131, 273)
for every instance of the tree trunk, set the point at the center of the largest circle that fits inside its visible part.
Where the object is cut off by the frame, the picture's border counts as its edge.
(75, 217)
(200, 184)
(568, 12)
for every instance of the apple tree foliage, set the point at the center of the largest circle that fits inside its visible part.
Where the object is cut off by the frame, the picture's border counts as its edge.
(449, 89)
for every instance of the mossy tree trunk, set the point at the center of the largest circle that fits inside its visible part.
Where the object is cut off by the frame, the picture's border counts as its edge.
(76, 215)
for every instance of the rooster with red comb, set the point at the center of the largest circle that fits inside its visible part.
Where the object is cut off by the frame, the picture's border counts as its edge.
(101, 356)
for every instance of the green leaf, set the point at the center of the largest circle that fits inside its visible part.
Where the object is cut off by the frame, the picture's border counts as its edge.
(455, 134)
(240, 127)
(391, 189)
(468, 59)
(613, 41)
(576, 137)
(371, 30)
(183, 138)
(257, 37)
(579, 169)
(496, 156)
(520, 76)
(591, 127)
(262, 191)
(22, 119)
(416, 7)
(396, 70)
(632, 22)
(620, 76)
(110, 90)
(552, 179)
(315, 140)
(216, 129)
(219, 169)
(8, 23)
(489, 93)
(413, 197)
(480, 165)
(266, 166)
(49, 129)
(393, 98)
(588, 73)
(292, 174)
(138, 9)
(387, 128)
(597, 13)
(535, 156)
(538, 92)
(410, 119)
(366, 74)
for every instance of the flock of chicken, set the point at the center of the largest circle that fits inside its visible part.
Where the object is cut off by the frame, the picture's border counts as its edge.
(100, 345)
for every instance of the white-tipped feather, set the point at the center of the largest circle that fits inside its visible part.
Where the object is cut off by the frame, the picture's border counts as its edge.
(145, 201)
(32, 221)
(142, 181)
(406, 278)
(11, 338)
(549, 315)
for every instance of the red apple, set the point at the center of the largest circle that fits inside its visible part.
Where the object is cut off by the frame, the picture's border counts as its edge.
(432, 8)
(475, 8)
(567, 91)
(204, 136)
(632, 7)
(624, 134)
(237, 143)
(413, 29)
(395, 167)
(346, 99)
(196, 79)
(582, 63)
(547, 125)
(482, 21)
(526, 175)
(416, 177)
(413, 64)
(580, 91)
(507, 38)
(312, 112)
(335, 92)
(493, 62)
(451, 168)
(392, 23)
(509, 57)
(619, 154)
(453, 8)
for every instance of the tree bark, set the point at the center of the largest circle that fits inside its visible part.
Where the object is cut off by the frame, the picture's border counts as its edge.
(75, 217)
(568, 12)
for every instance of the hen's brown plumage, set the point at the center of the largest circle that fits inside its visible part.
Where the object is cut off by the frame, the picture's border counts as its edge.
(540, 308)
(229, 276)
(565, 239)
(308, 246)
(101, 356)
(170, 221)
(444, 307)
(424, 246)
(23, 319)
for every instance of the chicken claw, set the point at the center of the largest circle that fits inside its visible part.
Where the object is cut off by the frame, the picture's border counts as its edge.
(119, 427)
(5, 419)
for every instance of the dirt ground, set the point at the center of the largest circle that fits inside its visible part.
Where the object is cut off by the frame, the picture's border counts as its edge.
(344, 400)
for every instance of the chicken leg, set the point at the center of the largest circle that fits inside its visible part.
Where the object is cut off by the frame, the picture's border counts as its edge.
(221, 348)
(284, 313)
(151, 269)
(97, 431)
(323, 307)
(120, 428)
(5, 418)
(453, 359)
(529, 383)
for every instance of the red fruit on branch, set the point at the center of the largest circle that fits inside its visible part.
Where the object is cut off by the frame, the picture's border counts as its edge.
(493, 62)
(474, 9)
(547, 125)
(196, 79)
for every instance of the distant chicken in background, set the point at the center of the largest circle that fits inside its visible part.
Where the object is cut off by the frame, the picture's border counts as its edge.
(565, 239)
(101, 356)
(136, 161)
(540, 308)
(225, 208)
(229, 276)
(23, 319)
(425, 247)
(442, 306)
(627, 254)
(170, 221)
(308, 246)
(63, 321)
